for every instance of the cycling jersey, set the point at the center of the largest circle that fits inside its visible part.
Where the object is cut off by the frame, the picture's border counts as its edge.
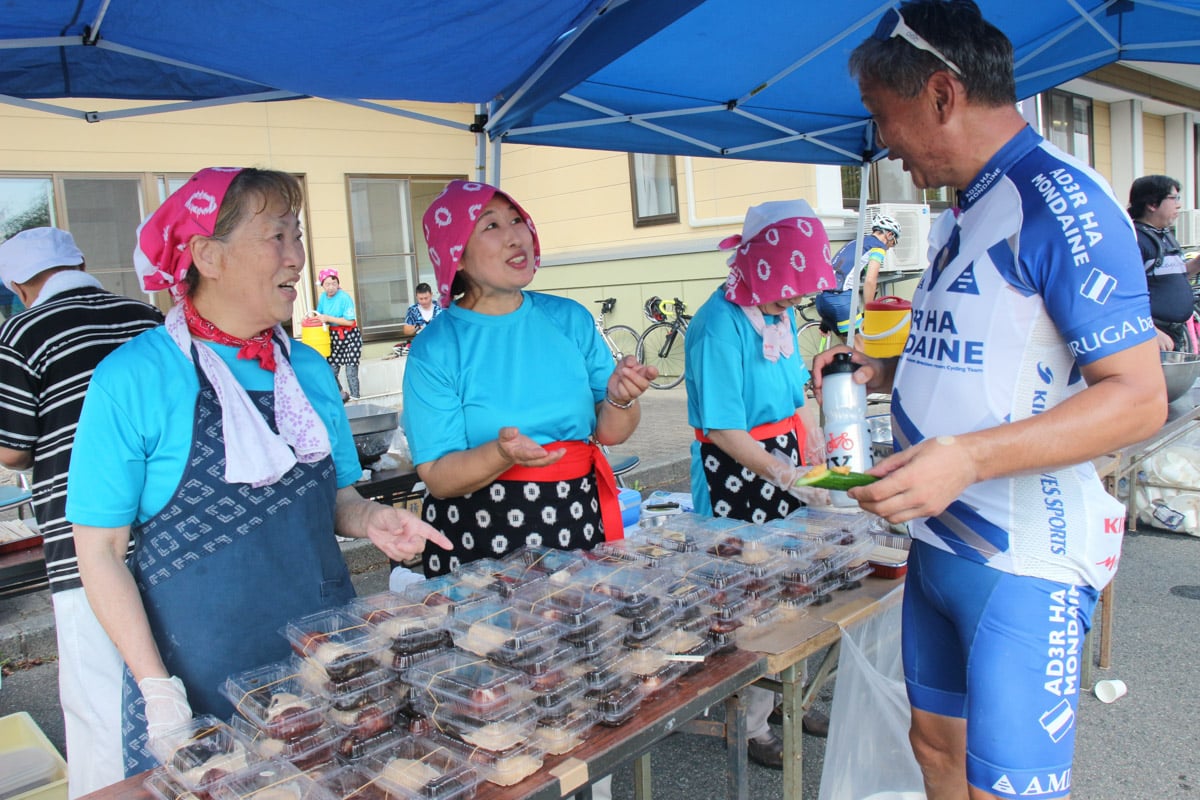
(1166, 274)
(873, 249)
(1035, 275)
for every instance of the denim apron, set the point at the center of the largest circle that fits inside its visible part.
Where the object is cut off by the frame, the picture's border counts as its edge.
(224, 566)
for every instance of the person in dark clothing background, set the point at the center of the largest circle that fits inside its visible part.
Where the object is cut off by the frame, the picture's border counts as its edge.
(1154, 205)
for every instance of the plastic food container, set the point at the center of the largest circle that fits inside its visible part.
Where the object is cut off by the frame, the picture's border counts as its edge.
(628, 584)
(367, 720)
(352, 749)
(403, 625)
(340, 643)
(447, 593)
(469, 685)
(889, 556)
(580, 611)
(275, 699)
(603, 641)
(30, 767)
(270, 780)
(417, 767)
(503, 632)
(498, 735)
(210, 751)
(618, 705)
(635, 551)
(369, 687)
(549, 560)
(716, 573)
(562, 734)
(501, 767)
(305, 752)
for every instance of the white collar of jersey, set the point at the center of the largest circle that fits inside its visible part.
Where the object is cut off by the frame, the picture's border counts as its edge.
(65, 281)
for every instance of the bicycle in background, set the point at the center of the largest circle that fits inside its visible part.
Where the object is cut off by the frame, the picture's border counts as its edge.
(622, 340)
(661, 345)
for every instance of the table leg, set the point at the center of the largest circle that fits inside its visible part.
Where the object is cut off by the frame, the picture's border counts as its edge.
(1106, 623)
(791, 681)
(641, 777)
(735, 747)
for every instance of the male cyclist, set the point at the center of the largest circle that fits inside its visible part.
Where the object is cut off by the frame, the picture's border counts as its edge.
(834, 305)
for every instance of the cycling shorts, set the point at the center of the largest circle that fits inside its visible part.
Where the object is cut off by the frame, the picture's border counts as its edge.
(834, 308)
(1010, 649)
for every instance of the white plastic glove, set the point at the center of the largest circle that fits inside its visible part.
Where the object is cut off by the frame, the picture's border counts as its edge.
(784, 474)
(167, 707)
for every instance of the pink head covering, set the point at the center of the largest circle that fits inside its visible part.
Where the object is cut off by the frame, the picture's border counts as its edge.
(162, 256)
(782, 252)
(327, 273)
(449, 221)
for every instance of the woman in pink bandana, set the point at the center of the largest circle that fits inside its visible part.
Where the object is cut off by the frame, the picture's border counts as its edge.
(336, 309)
(214, 454)
(507, 395)
(745, 386)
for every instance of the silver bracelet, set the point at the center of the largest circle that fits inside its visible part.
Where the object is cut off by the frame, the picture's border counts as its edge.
(615, 404)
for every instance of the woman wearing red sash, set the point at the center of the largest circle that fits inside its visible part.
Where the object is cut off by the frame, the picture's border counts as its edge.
(745, 384)
(508, 397)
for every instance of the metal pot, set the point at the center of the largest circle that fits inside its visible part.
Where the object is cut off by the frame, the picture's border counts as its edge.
(373, 427)
(1181, 371)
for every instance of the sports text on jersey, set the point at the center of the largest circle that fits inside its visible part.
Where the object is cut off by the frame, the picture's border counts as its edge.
(1062, 194)
(933, 338)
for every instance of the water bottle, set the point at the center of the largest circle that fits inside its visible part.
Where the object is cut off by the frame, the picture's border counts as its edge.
(844, 403)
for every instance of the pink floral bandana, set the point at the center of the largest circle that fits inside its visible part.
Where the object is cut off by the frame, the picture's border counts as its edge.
(783, 251)
(449, 221)
(162, 255)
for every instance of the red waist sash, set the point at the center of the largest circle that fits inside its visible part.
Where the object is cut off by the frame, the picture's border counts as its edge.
(581, 458)
(792, 424)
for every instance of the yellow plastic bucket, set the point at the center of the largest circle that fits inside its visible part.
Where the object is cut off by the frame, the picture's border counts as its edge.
(314, 334)
(885, 326)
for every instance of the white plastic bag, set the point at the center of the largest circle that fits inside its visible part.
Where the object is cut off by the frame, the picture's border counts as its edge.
(868, 754)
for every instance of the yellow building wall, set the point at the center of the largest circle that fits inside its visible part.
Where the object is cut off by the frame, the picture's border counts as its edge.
(1154, 145)
(1102, 139)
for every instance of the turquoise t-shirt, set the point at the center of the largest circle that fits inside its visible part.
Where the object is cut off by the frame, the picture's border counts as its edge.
(541, 368)
(730, 385)
(135, 431)
(340, 305)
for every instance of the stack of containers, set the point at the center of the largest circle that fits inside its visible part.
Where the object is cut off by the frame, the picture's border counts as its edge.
(340, 655)
(408, 632)
(281, 716)
(271, 780)
(197, 757)
(419, 768)
(481, 709)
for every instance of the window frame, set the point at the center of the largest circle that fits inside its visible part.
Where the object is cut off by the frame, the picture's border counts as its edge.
(1048, 121)
(646, 220)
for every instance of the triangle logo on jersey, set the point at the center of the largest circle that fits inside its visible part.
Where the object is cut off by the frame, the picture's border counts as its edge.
(965, 282)
(1004, 786)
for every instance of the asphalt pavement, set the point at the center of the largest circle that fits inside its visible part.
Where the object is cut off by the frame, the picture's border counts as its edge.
(1142, 747)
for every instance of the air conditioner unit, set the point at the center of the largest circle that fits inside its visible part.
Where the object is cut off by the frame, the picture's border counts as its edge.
(914, 226)
(1187, 227)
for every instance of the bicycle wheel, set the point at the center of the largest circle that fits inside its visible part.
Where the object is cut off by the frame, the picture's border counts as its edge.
(623, 341)
(810, 340)
(662, 347)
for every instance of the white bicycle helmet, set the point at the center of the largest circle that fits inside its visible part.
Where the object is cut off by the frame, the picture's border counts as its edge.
(887, 225)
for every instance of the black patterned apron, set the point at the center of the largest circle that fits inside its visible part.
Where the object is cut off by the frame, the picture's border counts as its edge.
(738, 492)
(223, 566)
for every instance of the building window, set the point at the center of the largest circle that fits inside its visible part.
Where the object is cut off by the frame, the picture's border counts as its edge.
(653, 189)
(102, 212)
(1069, 123)
(889, 183)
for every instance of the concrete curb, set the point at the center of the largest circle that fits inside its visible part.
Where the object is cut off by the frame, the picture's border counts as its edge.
(27, 622)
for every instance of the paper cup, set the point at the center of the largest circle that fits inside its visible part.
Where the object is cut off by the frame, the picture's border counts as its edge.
(1110, 691)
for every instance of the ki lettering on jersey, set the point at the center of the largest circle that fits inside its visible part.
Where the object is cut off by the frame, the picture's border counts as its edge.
(1064, 197)
(1064, 643)
(1035, 785)
(934, 338)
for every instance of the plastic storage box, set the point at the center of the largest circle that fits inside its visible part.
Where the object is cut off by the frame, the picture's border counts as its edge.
(30, 767)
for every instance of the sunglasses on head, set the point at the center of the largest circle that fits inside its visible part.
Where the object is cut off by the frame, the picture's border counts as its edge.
(892, 24)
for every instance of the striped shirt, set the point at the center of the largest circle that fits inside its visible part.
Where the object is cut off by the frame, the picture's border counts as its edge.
(47, 356)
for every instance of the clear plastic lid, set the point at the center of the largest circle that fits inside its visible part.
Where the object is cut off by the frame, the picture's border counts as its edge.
(270, 780)
(629, 584)
(503, 632)
(276, 700)
(561, 734)
(496, 735)
(305, 752)
(505, 578)
(716, 573)
(369, 719)
(501, 767)
(348, 694)
(822, 522)
(352, 748)
(203, 751)
(340, 643)
(575, 607)
(471, 685)
(548, 560)
(160, 783)
(403, 625)
(600, 639)
(635, 551)
(448, 593)
(617, 705)
(418, 767)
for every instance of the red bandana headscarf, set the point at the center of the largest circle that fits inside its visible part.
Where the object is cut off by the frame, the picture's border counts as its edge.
(449, 221)
(162, 255)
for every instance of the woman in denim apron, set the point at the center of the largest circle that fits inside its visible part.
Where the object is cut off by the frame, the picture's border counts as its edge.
(220, 449)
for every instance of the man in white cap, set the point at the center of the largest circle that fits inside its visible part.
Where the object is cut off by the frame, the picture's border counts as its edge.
(47, 355)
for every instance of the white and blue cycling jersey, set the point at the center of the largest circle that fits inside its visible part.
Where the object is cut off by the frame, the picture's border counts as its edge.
(1037, 273)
